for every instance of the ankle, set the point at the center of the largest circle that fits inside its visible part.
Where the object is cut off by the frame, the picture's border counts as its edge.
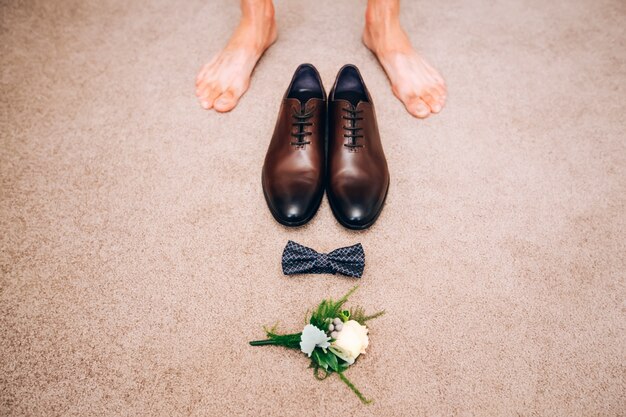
(383, 33)
(257, 27)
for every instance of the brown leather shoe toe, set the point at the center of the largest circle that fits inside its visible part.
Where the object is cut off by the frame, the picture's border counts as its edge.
(294, 169)
(358, 177)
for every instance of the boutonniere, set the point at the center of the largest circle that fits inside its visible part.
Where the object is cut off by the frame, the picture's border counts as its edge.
(333, 338)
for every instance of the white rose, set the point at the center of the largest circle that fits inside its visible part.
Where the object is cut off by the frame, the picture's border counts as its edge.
(351, 341)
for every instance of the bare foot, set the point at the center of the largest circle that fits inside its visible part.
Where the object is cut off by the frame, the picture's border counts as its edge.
(222, 81)
(418, 85)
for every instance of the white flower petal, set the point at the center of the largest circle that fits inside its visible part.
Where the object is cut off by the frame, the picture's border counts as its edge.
(351, 342)
(312, 337)
(325, 344)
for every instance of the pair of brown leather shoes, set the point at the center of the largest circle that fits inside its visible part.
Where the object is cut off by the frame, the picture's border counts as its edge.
(300, 165)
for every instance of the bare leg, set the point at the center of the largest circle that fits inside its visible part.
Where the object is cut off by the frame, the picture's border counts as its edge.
(418, 85)
(226, 77)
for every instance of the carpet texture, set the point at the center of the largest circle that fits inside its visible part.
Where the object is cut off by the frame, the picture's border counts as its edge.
(138, 257)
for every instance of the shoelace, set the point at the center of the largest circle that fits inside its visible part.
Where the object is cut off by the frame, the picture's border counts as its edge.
(352, 117)
(301, 121)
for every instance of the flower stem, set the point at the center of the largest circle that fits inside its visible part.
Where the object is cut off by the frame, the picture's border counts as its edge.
(263, 342)
(353, 388)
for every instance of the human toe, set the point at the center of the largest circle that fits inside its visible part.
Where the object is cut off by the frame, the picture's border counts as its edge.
(434, 100)
(208, 95)
(226, 102)
(418, 108)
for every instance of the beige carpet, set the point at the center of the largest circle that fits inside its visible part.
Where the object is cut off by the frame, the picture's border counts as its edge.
(138, 256)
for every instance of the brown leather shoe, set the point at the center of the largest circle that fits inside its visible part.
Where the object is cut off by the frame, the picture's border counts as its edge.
(358, 177)
(293, 172)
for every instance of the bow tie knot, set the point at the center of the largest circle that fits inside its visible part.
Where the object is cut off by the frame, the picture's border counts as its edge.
(322, 261)
(299, 259)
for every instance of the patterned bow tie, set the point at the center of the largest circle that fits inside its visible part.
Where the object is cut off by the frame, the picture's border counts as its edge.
(298, 259)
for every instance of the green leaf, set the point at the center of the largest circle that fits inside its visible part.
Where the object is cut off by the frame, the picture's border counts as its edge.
(327, 360)
(332, 361)
(328, 309)
(319, 358)
(358, 314)
(345, 315)
(343, 365)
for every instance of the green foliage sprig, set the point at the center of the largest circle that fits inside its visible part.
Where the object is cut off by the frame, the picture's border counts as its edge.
(324, 361)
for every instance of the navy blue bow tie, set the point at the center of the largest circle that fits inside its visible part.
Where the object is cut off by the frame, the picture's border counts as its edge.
(298, 259)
